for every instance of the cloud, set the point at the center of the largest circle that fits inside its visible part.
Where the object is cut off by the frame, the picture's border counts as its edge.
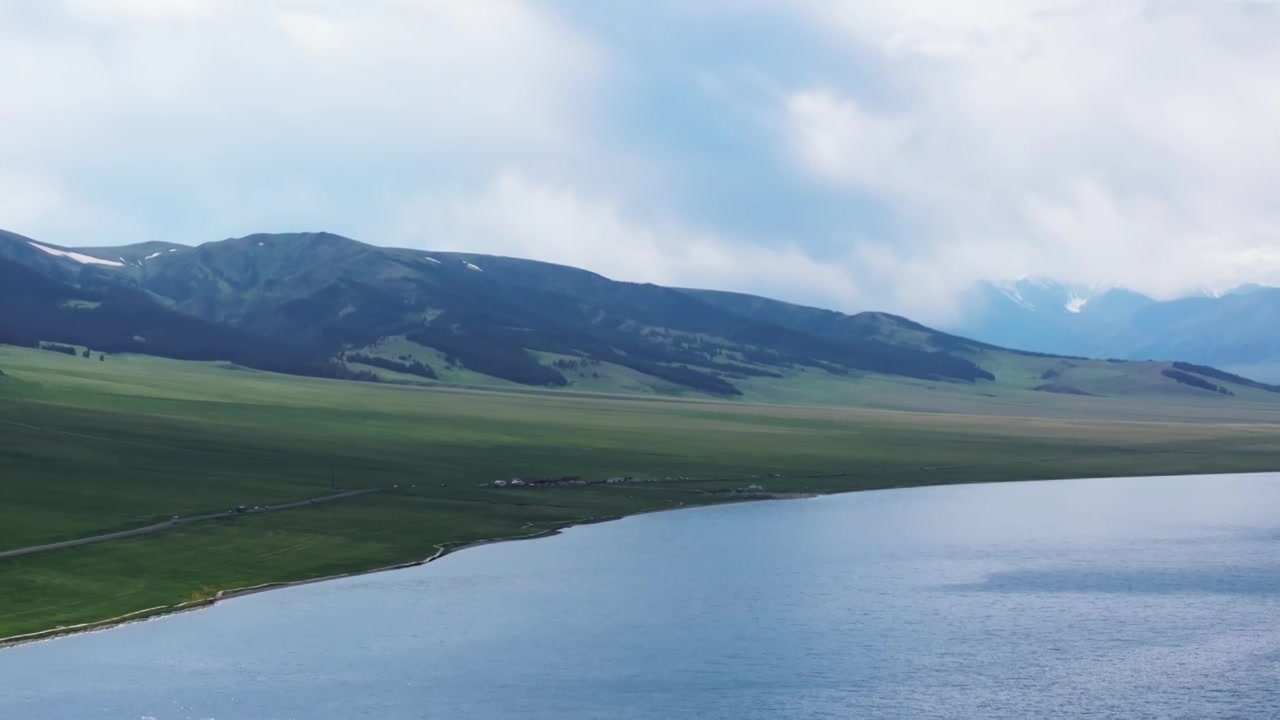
(848, 153)
(198, 112)
(1127, 140)
(518, 216)
(838, 141)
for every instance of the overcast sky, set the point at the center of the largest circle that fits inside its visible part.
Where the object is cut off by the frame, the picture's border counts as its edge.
(877, 154)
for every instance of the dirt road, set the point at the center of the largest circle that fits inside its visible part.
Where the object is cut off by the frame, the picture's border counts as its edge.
(170, 524)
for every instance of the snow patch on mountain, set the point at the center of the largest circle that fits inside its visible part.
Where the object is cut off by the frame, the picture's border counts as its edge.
(472, 267)
(82, 259)
(1045, 294)
(1011, 291)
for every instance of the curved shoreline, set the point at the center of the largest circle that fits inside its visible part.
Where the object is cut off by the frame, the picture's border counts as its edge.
(444, 549)
(192, 605)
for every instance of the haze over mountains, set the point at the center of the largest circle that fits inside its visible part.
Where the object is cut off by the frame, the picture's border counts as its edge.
(322, 304)
(1235, 329)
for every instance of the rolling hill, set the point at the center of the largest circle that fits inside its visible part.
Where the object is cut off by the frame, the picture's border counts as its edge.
(322, 304)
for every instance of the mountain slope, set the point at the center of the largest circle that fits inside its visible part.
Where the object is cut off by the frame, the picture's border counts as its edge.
(319, 303)
(1047, 316)
(1234, 329)
(490, 313)
(113, 318)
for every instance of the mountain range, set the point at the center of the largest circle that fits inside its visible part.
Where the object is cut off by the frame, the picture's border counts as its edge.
(1235, 329)
(326, 305)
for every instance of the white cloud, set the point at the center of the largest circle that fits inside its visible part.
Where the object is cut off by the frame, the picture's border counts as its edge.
(212, 105)
(1126, 140)
(839, 141)
(932, 142)
(516, 216)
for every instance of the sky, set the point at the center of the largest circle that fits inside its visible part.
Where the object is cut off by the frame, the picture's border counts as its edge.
(878, 154)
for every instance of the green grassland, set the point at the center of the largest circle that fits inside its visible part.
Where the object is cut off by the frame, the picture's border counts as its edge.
(89, 447)
(1111, 390)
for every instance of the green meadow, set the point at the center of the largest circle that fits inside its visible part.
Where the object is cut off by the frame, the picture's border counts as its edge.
(89, 447)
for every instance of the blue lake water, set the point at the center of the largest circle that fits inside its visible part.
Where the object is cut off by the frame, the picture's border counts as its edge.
(1136, 598)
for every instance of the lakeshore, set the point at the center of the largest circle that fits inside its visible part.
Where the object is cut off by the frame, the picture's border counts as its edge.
(441, 551)
(1072, 599)
(103, 448)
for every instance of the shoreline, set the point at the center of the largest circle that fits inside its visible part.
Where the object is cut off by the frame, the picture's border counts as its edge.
(442, 550)
(193, 605)
(445, 549)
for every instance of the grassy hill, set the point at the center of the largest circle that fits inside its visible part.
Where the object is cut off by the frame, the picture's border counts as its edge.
(111, 317)
(321, 304)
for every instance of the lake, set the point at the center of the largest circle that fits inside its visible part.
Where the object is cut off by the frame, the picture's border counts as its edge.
(1130, 598)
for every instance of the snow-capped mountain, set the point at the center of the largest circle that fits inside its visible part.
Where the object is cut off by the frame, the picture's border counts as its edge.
(1239, 328)
(1044, 315)
(1040, 294)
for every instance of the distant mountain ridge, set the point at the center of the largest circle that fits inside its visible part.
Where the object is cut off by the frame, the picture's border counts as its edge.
(322, 304)
(1234, 329)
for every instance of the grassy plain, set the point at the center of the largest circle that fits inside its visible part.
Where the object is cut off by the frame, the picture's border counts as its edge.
(1115, 390)
(88, 447)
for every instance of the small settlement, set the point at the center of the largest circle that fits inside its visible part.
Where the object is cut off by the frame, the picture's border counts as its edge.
(575, 480)
(570, 480)
(536, 482)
